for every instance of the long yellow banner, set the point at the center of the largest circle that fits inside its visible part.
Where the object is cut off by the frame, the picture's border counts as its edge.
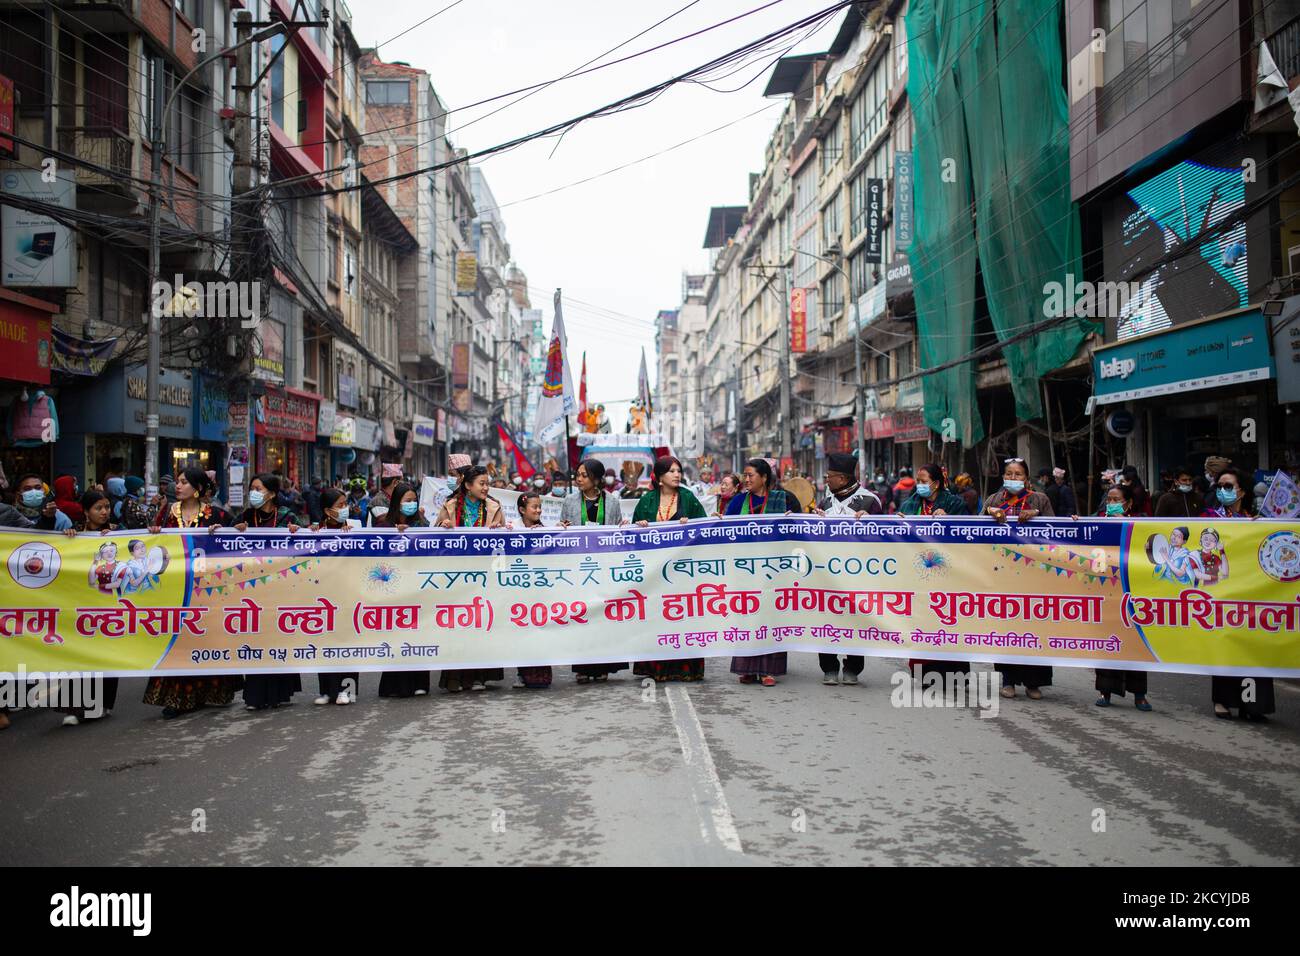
(1203, 596)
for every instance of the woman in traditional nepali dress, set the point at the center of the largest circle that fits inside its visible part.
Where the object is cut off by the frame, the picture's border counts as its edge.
(1253, 696)
(1015, 500)
(192, 510)
(335, 511)
(262, 691)
(1118, 503)
(592, 505)
(471, 506)
(403, 512)
(759, 497)
(96, 512)
(529, 505)
(667, 500)
(930, 497)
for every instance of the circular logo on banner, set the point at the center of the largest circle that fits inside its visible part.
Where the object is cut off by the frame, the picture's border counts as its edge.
(1279, 556)
(34, 565)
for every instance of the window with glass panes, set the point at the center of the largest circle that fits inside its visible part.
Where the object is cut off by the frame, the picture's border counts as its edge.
(860, 275)
(1146, 47)
(831, 148)
(832, 296)
(832, 222)
(869, 112)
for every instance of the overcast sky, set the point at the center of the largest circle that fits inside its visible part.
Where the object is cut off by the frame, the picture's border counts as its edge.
(618, 245)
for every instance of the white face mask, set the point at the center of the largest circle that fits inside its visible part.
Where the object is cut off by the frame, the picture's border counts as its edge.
(342, 513)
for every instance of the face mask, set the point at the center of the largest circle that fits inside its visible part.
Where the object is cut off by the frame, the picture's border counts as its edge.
(1015, 487)
(1227, 495)
(410, 507)
(923, 490)
(256, 499)
(1114, 509)
(1184, 488)
(342, 514)
(34, 498)
(539, 484)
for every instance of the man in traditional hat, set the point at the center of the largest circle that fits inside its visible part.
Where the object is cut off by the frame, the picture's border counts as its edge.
(389, 476)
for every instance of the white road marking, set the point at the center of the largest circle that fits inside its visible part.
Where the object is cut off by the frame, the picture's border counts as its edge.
(710, 800)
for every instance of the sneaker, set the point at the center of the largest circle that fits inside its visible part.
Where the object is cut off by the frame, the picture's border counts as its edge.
(71, 720)
(168, 713)
(849, 678)
(1008, 691)
(249, 707)
(322, 700)
(519, 684)
(830, 678)
(478, 685)
(421, 692)
(343, 698)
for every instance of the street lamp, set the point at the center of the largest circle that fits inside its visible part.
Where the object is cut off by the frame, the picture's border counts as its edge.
(859, 393)
(157, 144)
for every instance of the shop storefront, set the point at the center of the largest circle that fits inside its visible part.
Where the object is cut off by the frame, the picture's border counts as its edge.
(1198, 389)
(284, 429)
(104, 420)
(24, 366)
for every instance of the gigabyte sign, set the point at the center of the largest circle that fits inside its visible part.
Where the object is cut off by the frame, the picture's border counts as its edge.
(1120, 368)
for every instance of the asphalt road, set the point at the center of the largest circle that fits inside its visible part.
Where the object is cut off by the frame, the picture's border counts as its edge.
(710, 773)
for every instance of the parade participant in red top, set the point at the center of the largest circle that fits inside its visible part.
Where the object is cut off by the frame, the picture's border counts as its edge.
(193, 510)
(471, 506)
(1015, 500)
(341, 688)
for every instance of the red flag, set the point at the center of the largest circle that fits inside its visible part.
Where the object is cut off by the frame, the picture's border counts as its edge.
(522, 465)
(582, 395)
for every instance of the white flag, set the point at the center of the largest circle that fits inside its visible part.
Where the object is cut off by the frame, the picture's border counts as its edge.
(557, 400)
(643, 388)
(1282, 500)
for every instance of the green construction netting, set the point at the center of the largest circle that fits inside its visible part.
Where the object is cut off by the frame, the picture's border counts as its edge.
(985, 83)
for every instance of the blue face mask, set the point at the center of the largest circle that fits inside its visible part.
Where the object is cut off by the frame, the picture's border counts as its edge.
(1114, 509)
(34, 498)
(1013, 486)
(410, 507)
(923, 490)
(1227, 495)
(256, 499)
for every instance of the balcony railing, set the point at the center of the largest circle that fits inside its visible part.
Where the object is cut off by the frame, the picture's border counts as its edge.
(105, 147)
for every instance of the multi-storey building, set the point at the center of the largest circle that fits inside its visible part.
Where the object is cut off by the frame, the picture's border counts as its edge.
(405, 131)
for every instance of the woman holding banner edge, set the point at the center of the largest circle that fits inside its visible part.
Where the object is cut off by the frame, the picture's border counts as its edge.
(759, 497)
(668, 501)
(592, 505)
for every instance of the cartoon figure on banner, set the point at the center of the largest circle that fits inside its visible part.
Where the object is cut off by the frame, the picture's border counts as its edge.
(1214, 560)
(1172, 559)
(1279, 556)
(103, 568)
(143, 571)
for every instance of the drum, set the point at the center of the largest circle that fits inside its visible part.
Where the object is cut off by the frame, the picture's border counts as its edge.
(1157, 549)
(802, 490)
(156, 561)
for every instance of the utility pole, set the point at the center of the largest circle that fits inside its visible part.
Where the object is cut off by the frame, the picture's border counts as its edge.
(785, 364)
(155, 254)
